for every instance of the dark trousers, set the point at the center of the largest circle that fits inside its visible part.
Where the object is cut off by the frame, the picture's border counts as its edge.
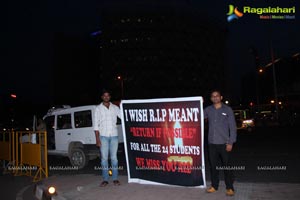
(217, 152)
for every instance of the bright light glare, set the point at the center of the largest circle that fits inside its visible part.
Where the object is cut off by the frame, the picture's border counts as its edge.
(249, 121)
(51, 190)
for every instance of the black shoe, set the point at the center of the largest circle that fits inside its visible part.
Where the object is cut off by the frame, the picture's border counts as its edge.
(116, 182)
(103, 184)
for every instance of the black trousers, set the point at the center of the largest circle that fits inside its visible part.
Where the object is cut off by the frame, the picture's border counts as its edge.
(217, 153)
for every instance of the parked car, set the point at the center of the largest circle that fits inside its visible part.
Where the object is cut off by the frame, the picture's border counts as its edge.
(243, 120)
(70, 133)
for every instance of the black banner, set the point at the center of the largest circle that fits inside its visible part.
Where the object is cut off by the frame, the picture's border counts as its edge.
(164, 141)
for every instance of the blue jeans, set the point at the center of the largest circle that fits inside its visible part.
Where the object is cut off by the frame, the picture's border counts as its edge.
(109, 145)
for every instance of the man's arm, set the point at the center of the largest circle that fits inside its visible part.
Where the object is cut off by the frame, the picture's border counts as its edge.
(98, 141)
(96, 127)
(205, 113)
(232, 127)
(118, 112)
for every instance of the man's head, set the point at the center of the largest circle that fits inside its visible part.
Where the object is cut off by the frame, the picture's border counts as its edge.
(216, 96)
(105, 96)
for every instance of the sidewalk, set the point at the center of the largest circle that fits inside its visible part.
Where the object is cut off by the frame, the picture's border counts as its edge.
(86, 187)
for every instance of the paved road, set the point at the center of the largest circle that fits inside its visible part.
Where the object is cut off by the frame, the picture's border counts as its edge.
(268, 148)
(16, 187)
(258, 153)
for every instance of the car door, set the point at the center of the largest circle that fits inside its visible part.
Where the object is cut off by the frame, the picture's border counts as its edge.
(84, 131)
(63, 131)
(50, 127)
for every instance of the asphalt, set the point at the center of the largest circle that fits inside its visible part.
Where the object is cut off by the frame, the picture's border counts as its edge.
(86, 187)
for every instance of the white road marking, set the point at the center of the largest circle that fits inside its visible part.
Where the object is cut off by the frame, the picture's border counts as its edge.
(19, 195)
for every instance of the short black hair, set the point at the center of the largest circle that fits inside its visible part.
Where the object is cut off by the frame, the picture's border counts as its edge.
(105, 91)
(215, 90)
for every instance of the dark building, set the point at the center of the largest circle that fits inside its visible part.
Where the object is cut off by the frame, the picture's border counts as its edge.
(76, 70)
(146, 51)
(161, 52)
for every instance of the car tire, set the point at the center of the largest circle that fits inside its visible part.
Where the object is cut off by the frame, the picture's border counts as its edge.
(79, 158)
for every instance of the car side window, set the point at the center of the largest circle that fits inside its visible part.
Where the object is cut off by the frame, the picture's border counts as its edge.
(64, 121)
(83, 119)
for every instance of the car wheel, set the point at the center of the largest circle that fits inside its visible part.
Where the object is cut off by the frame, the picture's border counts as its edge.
(79, 158)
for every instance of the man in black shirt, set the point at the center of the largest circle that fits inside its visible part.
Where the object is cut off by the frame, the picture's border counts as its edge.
(221, 136)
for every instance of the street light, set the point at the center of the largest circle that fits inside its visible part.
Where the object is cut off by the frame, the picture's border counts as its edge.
(13, 108)
(122, 85)
(274, 80)
(272, 63)
(253, 51)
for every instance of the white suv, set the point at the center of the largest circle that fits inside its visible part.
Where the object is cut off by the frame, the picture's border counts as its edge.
(70, 133)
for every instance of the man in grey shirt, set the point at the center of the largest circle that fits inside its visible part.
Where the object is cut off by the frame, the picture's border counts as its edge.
(221, 137)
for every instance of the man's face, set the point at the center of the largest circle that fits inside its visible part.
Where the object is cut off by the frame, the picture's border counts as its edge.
(216, 97)
(106, 97)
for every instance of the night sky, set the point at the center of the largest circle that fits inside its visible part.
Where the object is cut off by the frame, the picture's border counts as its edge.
(30, 26)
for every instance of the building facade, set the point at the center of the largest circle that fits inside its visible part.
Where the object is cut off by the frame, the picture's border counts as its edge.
(161, 53)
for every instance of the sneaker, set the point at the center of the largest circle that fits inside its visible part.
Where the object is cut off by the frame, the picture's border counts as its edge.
(211, 190)
(229, 192)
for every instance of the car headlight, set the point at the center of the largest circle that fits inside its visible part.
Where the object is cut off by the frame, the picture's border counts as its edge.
(248, 121)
